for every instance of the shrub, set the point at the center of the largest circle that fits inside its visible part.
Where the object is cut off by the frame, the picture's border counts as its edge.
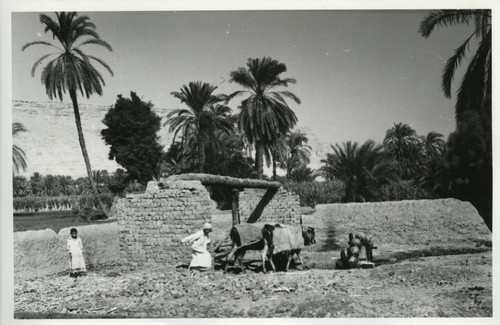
(403, 190)
(43, 203)
(312, 193)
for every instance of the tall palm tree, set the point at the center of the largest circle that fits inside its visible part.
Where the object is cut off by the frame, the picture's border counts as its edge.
(402, 143)
(18, 155)
(362, 169)
(475, 88)
(204, 116)
(71, 69)
(297, 152)
(265, 115)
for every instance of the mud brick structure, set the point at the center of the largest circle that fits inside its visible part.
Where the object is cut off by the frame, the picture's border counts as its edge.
(283, 208)
(152, 224)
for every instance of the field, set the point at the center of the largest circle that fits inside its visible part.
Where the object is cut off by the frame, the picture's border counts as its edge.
(54, 220)
(411, 280)
(437, 286)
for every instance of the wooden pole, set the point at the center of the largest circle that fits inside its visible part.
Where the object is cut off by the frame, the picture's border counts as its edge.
(236, 206)
(257, 212)
(227, 181)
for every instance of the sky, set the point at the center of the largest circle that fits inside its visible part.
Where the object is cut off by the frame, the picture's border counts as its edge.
(358, 72)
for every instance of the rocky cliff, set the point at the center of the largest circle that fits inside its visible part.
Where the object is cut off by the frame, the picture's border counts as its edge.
(51, 142)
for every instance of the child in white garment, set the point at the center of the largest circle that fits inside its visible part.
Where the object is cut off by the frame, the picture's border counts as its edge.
(75, 248)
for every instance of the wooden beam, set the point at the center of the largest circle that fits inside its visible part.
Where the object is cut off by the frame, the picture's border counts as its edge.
(257, 212)
(226, 181)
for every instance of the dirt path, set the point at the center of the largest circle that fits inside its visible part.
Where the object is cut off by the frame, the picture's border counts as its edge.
(444, 286)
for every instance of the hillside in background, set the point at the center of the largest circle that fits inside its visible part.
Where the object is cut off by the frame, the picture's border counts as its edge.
(51, 142)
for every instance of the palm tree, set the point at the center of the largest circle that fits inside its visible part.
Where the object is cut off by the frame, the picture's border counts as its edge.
(275, 153)
(434, 145)
(363, 169)
(432, 175)
(303, 174)
(475, 88)
(71, 69)
(265, 116)
(297, 154)
(402, 143)
(18, 155)
(203, 118)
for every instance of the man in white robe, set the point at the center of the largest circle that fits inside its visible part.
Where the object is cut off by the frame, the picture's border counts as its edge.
(202, 260)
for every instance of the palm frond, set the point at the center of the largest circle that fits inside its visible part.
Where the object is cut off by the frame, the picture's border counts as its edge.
(96, 41)
(443, 18)
(17, 127)
(101, 62)
(37, 63)
(25, 46)
(473, 88)
(452, 64)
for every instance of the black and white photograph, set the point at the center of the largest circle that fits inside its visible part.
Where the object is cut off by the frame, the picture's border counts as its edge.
(248, 162)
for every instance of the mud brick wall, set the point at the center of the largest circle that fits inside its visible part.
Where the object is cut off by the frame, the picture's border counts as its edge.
(283, 208)
(152, 224)
(399, 225)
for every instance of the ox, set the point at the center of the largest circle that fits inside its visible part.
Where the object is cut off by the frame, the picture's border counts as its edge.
(269, 239)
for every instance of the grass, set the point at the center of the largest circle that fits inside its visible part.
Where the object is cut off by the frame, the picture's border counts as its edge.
(54, 220)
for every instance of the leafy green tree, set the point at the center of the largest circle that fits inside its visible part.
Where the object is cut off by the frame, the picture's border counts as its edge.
(466, 170)
(203, 118)
(131, 133)
(71, 69)
(227, 157)
(18, 155)
(476, 83)
(175, 160)
(468, 163)
(363, 169)
(265, 115)
(117, 182)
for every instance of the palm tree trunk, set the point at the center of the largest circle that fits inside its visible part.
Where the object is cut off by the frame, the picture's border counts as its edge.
(274, 164)
(259, 160)
(81, 139)
(201, 153)
(289, 168)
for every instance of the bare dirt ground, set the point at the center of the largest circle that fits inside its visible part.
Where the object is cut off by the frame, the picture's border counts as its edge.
(437, 286)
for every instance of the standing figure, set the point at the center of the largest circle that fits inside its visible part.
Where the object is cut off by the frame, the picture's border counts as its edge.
(75, 248)
(202, 260)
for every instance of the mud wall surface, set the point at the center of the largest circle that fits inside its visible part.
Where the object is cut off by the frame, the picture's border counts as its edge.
(399, 225)
(43, 252)
(152, 224)
(283, 208)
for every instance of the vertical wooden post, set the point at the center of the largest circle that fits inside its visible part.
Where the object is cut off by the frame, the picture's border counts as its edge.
(236, 206)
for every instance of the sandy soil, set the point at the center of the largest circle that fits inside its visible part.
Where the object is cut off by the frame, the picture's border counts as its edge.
(438, 286)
